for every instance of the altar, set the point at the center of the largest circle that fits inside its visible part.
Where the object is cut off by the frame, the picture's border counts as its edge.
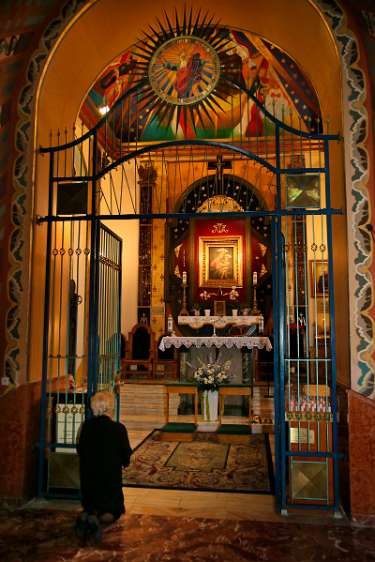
(195, 350)
(198, 350)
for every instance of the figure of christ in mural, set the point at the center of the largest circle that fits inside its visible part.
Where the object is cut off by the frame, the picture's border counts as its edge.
(221, 263)
(188, 73)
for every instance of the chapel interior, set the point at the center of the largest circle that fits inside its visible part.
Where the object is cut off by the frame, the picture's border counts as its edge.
(186, 247)
(190, 212)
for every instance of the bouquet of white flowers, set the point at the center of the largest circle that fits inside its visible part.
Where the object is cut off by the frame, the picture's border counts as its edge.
(210, 375)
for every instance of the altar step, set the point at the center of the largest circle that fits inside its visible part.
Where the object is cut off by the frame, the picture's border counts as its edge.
(145, 400)
(142, 408)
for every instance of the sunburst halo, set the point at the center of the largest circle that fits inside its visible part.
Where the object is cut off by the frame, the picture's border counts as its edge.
(186, 71)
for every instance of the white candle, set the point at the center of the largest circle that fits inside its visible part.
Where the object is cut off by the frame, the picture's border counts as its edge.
(255, 278)
(184, 278)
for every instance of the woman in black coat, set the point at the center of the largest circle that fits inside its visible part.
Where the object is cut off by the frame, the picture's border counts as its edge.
(103, 448)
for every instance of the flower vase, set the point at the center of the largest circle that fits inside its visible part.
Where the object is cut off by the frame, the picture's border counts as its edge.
(210, 408)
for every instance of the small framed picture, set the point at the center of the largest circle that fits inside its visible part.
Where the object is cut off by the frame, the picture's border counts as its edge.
(219, 308)
(303, 190)
(319, 277)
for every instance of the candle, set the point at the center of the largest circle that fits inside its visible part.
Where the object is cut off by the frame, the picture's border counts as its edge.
(184, 278)
(255, 278)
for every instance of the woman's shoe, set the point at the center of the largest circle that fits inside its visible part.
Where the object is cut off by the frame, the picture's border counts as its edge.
(106, 518)
(94, 532)
(81, 525)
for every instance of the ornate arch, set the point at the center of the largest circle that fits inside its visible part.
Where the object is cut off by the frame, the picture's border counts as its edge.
(360, 251)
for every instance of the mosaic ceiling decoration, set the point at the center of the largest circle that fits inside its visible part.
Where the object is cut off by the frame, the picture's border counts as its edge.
(188, 79)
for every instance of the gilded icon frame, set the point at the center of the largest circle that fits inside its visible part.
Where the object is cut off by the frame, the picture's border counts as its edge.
(220, 261)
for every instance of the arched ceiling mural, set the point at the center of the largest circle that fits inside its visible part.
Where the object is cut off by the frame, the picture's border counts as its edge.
(188, 74)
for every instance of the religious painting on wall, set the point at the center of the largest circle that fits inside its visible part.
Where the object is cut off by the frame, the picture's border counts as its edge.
(188, 79)
(303, 191)
(220, 261)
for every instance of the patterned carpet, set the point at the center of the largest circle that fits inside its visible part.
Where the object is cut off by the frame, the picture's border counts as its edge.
(202, 464)
(43, 535)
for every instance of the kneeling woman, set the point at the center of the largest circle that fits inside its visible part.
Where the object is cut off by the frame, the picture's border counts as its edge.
(103, 448)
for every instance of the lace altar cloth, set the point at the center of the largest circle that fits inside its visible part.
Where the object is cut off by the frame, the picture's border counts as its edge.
(216, 341)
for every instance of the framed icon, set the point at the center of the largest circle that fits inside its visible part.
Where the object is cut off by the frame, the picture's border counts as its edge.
(220, 261)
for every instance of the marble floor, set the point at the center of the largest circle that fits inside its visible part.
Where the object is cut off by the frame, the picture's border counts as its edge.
(182, 527)
(186, 526)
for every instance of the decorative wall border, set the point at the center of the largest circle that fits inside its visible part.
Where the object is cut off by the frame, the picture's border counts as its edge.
(20, 205)
(358, 201)
(359, 198)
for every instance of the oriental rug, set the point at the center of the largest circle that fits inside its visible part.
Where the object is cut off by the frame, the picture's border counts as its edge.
(206, 463)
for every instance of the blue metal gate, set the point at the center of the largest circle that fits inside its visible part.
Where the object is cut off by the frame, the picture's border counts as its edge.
(298, 206)
(81, 340)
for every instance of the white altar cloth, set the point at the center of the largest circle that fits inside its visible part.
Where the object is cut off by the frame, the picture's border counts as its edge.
(219, 322)
(238, 342)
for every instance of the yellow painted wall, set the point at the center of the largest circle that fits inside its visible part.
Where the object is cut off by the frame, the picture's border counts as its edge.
(108, 26)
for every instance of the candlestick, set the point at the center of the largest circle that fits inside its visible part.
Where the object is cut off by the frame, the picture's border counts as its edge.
(255, 278)
(184, 311)
(254, 310)
(184, 278)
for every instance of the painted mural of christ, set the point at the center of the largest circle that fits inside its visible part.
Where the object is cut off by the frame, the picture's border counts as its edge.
(188, 72)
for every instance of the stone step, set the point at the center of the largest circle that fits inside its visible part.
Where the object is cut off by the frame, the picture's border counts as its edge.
(145, 400)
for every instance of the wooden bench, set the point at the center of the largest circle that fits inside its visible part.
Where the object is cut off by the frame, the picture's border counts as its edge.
(233, 390)
(180, 388)
(177, 433)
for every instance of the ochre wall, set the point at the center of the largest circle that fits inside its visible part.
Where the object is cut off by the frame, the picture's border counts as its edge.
(85, 49)
(82, 54)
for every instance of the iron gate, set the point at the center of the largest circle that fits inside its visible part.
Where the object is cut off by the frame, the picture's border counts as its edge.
(306, 447)
(81, 340)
